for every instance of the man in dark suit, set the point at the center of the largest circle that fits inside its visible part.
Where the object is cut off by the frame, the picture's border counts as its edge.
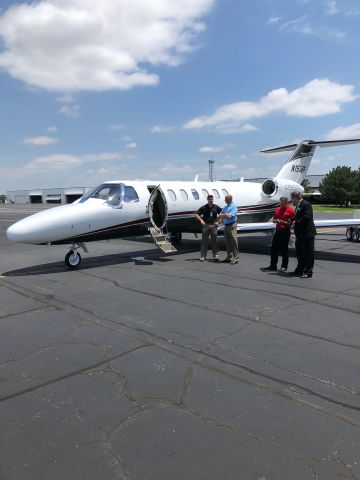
(305, 232)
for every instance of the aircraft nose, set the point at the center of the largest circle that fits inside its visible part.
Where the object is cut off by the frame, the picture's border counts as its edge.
(16, 232)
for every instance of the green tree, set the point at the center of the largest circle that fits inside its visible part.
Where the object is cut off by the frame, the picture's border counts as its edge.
(2, 198)
(339, 185)
(306, 185)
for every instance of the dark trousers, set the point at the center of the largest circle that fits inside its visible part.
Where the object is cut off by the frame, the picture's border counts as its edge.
(305, 248)
(280, 243)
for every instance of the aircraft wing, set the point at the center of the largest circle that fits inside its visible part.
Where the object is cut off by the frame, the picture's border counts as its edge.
(269, 226)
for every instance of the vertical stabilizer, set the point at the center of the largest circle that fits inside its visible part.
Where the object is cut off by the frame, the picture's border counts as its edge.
(296, 167)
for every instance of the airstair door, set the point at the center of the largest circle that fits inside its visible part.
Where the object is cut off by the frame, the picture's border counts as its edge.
(158, 214)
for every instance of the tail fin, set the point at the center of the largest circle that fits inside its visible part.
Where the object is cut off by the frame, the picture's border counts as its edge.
(296, 167)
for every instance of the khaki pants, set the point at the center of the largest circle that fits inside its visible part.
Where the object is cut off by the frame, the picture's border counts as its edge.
(231, 241)
(212, 231)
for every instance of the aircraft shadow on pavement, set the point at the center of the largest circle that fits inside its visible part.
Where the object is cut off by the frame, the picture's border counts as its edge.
(260, 246)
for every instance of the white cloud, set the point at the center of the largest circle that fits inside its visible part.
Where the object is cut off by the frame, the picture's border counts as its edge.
(161, 129)
(64, 161)
(101, 157)
(125, 138)
(71, 110)
(131, 145)
(342, 133)
(217, 149)
(303, 26)
(273, 20)
(331, 7)
(177, 169)
(52, 129)
(315, 99)
(40, 141)
(69, 45)
(54, 162)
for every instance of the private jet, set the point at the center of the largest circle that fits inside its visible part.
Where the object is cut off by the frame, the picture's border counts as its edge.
(118, 209)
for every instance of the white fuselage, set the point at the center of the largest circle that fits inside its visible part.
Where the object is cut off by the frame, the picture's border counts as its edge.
(95, 218)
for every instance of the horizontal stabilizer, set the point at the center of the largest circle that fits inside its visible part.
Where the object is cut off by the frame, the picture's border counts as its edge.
(326, 143)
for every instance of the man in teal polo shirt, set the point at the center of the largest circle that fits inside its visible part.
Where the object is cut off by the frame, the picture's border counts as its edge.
(229, 216)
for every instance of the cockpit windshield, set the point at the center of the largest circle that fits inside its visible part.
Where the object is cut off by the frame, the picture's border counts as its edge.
(109, 192)
(112, 193)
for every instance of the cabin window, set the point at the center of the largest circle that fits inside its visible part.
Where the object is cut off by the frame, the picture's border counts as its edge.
(225, 192)
(216, 193)
(195, 194)
(130, 195)
(184, 194)
(205, 193)
(171, 194)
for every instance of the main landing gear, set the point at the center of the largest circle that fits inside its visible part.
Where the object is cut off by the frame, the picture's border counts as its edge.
(73, 257)
(353, 234)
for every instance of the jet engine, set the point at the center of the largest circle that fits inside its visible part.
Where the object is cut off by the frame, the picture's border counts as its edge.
(273, 187)
(270, 187)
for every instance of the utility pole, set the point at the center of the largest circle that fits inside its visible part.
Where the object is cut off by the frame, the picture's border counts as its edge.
(211, 170)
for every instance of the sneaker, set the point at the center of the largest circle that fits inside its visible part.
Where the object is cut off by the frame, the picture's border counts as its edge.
(283, 269)
(270, 268)
(216, 259)
(202, 259)
(227, 260)
(234, 261)
(305, 275)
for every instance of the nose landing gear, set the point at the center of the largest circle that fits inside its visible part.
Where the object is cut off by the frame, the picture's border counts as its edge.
(73, 257)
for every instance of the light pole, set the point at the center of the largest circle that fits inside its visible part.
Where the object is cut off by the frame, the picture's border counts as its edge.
(211, 170)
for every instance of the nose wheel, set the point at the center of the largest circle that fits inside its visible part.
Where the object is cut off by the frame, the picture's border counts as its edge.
(72, 259)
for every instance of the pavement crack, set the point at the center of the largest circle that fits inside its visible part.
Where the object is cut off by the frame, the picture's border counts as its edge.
(70, 375)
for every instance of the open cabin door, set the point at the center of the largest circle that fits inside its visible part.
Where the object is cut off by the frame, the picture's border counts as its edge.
(158, 214)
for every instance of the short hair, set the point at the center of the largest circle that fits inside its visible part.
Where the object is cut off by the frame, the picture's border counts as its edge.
(284, 199)
(210, 196)
(296, 194)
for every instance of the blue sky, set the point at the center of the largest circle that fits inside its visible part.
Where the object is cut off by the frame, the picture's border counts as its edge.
(121, 89)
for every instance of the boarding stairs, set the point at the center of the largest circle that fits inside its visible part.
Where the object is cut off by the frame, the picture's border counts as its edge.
(161, 241)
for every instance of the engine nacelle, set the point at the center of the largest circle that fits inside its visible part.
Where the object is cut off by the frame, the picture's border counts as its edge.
(273, 187)
(270, 187)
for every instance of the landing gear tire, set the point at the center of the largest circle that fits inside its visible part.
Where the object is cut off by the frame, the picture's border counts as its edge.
(357, 235)
(73, 259)
(349, 235)
(175, 238)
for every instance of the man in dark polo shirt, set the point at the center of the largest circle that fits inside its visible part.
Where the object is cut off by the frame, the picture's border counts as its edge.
(207, 216)
(283, 218)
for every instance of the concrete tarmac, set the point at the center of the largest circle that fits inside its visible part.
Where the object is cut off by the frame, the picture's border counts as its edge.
(176, 369)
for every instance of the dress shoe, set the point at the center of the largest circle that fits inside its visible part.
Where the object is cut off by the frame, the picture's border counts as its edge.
(305, 275)
(283, 269)
(216, 259)
(234, 261)
(269, 269)
(227, 260)
(202, 259)
(295, 273)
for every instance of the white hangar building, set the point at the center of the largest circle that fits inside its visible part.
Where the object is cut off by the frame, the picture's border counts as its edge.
(48, 195)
